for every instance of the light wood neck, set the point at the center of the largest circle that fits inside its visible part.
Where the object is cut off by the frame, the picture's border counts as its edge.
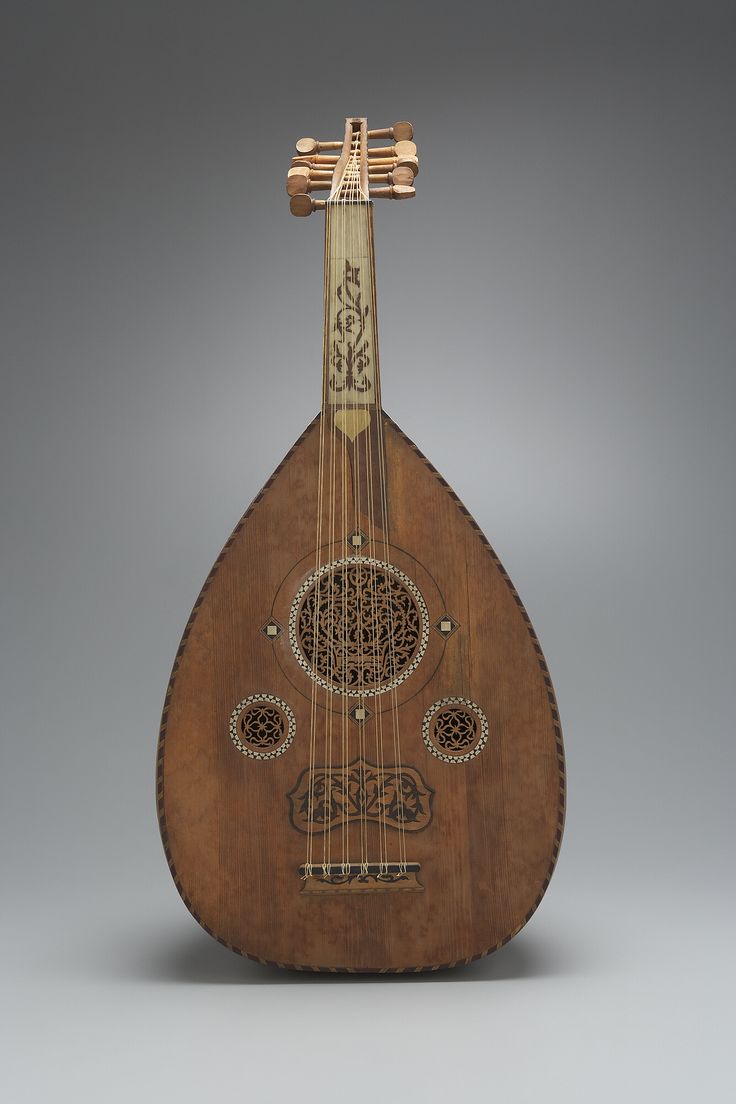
(350, 377)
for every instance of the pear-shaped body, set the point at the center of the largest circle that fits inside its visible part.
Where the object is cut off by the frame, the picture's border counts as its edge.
(360, 763)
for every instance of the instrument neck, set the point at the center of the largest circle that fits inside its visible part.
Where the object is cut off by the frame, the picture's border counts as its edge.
(350, 376)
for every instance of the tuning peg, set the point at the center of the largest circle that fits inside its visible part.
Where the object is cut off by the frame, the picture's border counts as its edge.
(328, 160)
(405, 149)
(400, 132)
(401, 149)
(305, 178)
(402, 175)
(302, 205)
(381, 151)
(297, 180)
(410, 163)
(394, 191)
(315, 160)
(306, 146)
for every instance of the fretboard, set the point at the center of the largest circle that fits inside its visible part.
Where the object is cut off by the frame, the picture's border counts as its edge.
(350, 372)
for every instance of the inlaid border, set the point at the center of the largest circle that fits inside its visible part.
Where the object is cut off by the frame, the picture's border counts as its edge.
(552, 701)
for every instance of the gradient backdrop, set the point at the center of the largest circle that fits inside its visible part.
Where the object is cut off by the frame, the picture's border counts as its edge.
(558, 330)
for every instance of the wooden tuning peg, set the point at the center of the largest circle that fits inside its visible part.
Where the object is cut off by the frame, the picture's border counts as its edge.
(381, 151)
(400, 132)
(402, 174)
(302, 205)
(302, 178)
(394, 191)
(405, 149)
(410, 162)
(297, 180)
(400, 150)
(327, 162)
(307, 146)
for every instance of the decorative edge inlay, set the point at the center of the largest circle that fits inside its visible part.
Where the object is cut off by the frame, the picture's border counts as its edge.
(413, 589)
(552, 701)
(427, 726)
(270, 700)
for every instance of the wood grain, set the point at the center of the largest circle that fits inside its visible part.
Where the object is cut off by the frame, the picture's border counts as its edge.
(488, 854)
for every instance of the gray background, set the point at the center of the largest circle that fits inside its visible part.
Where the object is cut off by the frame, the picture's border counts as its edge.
(557, 329)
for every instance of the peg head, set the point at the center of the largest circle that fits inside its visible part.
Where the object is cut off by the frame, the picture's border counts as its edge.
(402, 174)
(297, 180)
(351, 169)
(301, 205)
(405, 149)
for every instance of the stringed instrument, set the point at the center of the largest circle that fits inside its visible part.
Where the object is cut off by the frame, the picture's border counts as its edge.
(360, 764)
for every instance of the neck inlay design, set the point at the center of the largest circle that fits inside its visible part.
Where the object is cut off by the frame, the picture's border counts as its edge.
(351, 354)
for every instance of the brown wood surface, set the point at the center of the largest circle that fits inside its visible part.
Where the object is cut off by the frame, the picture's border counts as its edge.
(488, 853)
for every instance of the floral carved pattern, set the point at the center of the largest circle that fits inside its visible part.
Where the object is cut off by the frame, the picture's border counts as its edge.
(262, 727)
(324, 798)
(359, 627)
(454, 729)
(349, 349)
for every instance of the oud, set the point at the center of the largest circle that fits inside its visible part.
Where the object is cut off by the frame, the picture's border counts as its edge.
(360, 764)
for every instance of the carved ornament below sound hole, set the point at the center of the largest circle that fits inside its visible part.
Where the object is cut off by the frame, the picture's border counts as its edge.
(327, 797)
(359, 626)
(455, 730)
(262, 726)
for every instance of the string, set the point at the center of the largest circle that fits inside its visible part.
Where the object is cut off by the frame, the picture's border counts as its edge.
(392, 651)
(361, 720)
(362, 218)
(329, 634)
(345, 827)
(348, 253)
(318, 577)
(386, 574)
(382, 831)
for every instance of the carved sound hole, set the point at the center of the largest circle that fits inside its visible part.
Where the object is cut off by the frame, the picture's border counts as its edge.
(359, 626)
(262, 727)
(455, 729)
